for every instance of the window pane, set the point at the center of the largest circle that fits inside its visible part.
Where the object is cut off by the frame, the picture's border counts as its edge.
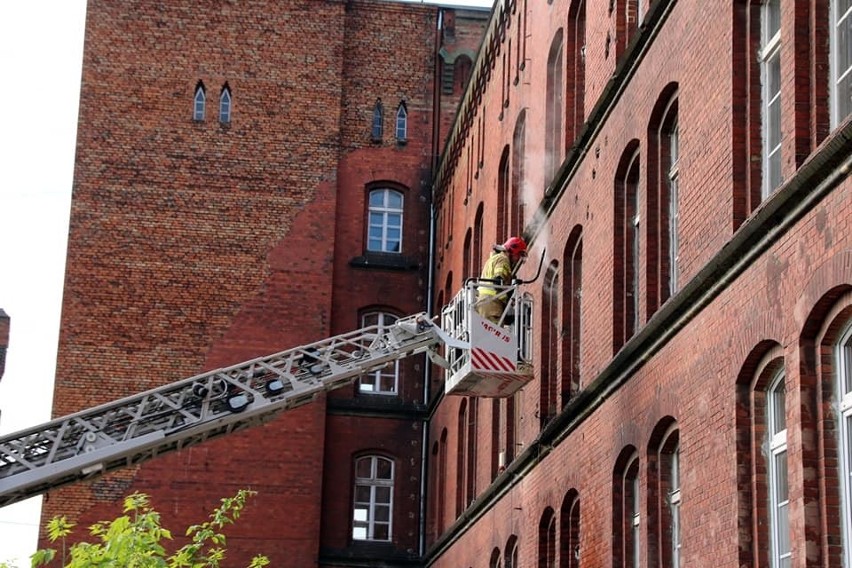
(394, 200)
(845, 365)
(380, 532)
(383, 494)
(777, 400)
(781, 477)
(363, 468)
(377, 198)
(360, 515)
(382, 513)
(362, 493)
(772, 15)
(384, 469)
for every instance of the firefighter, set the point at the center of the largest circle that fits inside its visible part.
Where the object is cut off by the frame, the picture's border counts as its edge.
(498, 269)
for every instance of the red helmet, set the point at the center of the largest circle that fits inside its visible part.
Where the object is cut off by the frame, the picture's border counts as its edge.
(515, 246)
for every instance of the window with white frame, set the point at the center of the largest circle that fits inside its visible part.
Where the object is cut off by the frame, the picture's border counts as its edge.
(635, 237)
(225, 105)
(843, 388)
(674, 210)
(841, 60)
(373, 504)
(385, 380)
(770, 73)
(199, 103)
(776, 453)
(674, 505)
(385, 221)
(401, 123)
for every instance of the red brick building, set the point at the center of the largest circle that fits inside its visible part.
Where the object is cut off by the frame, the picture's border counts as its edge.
(680, 169)
(229, 159)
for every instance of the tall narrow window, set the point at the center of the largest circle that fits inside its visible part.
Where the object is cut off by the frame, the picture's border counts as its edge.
(496, 559)
(472, 428)
(626, 510)
(373, 508)
(199, 102)
(511, 555)
(385, 221)
(770, 72)
(378, 121)
(569, 531)
(386, 380)
(674, 506)
(503, 197)
(664, 495)
(547, 540)
(572, 295)
(516, 202)
(626, 258)
(461, 462)
(841, 60)
(843, 390)
(576, 70)
(674, 209)
(401, 123)
(777, 464)
(548, 405)
(225, 105)
(662, 252)
(554, 110)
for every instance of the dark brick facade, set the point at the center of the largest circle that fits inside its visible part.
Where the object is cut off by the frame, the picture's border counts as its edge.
(196, 244)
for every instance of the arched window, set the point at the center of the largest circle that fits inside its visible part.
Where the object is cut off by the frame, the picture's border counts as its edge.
(572, 304)
(762, 450)
(549, 405)
(372, 517)
(576, 69)
(385, 221)
(776, 445)
(516, 200)
(626, 515)
(569, 531)
(547, 539)
(662, 228)
(225, 105)
(554, 110)
(664, 496)
(378, 120)
(386, 380)
(461, 455)
(496, 559)
(626, 247)
(199, 102)
(511, 555)
(401, 123)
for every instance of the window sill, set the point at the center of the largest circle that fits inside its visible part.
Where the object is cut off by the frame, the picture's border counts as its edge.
(384, 261)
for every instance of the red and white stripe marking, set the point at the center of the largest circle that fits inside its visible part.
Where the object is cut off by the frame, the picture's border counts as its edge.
(487, 361)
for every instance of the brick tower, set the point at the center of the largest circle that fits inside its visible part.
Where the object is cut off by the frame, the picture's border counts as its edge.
(251, 178)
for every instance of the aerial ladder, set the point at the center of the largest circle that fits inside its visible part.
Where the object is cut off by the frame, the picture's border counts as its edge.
(479, 358)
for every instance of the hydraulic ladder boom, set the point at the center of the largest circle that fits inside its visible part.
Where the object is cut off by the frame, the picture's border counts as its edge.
(126, 432)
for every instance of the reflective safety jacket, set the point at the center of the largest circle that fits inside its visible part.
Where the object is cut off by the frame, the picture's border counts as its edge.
(497, 267)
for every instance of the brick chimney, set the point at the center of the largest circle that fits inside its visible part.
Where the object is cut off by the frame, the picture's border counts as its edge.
(4, 340)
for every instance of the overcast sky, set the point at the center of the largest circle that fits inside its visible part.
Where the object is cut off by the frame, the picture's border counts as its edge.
(41, 45)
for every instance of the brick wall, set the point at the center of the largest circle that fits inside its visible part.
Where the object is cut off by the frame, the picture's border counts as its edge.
(670, 374)
(196, 244)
